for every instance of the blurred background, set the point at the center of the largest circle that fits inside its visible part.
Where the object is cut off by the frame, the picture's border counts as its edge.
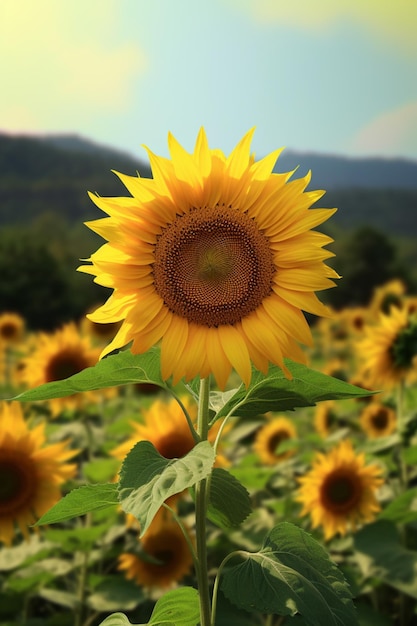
(86, 84)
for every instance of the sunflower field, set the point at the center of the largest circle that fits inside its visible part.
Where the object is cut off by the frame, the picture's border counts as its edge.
(175, 457)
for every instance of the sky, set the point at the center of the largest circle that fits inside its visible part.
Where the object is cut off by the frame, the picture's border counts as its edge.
(329, 76)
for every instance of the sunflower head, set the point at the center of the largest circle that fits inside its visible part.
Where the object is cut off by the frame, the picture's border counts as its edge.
(378, 420)
(57, 356)
(31, 472)
(12, 329)
(325, 418)
(339, 492)
(269, 437)
(389, 348)
(165, 556)
(214, 257)
(389, 295)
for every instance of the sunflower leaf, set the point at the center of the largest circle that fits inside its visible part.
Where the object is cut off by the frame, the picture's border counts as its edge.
(292, 573)
(118, 369)
(79, 502)
(381, 555)
(179, 607)
(275, 392)
(147, 479)
(229, 503)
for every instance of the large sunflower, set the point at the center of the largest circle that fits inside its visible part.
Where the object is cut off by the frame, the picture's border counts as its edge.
(56, 356)
(31, 473)
(214, 257)
(165, 426)
(165, 559)
(340, 490)
(389, 349)
(269, 437)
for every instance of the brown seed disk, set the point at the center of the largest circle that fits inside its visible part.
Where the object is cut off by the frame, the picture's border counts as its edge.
(213, 266)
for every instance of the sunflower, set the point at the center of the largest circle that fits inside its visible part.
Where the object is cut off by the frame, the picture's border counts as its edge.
(378, 420)
(31, 473)
(57, 356)
(166, 427)
(214, 257)
(325, 418)
(391, 294)
(100, 333)
(389, 349)
(269, 437)
(165, 558)
(339, 492)
(12, 329)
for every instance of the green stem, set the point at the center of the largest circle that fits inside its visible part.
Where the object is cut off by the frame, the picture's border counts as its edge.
(217, 579)
(201, 502)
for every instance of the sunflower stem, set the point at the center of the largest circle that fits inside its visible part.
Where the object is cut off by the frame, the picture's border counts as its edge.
(201, 502)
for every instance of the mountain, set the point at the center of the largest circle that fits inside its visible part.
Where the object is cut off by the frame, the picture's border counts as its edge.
(338, 172)
(52, 174)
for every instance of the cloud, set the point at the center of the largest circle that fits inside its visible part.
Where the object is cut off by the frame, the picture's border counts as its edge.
(61, 63)
(390, 22)
(392, 133)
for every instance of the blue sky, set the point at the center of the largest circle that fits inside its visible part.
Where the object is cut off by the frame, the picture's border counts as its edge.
(330, 76)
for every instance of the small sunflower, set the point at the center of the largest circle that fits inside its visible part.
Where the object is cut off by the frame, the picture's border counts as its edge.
(166, 557)
(270, 436)
(339, 492)
(391, 294)
(166, 427)
(31, 473)
(325, 418)
(57, 356)
(389, 349)
(215, 258)
(12, 329)
(378, 420)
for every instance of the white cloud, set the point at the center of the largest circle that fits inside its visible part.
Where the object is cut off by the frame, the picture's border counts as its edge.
(60, 63)
(392, 23)
(392, 133)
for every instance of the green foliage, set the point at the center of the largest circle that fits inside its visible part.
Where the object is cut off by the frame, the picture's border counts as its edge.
(147, 479)
(229, 501)
(81, 501)
(176, 608)
(275, 392)
(291, 573)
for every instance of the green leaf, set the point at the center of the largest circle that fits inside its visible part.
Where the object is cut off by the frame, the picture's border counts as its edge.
(147, 479)
(116, 593)
(381, 555)
(291, 573)
(81, 501)
(122, 368)
(275, 392)
(179, 607)
(229, 502)
(403, 509)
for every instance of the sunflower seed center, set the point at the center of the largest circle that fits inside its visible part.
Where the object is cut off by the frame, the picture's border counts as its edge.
(213, 266)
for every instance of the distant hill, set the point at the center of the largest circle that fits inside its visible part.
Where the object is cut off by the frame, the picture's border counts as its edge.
(338, 172)
(54, 173)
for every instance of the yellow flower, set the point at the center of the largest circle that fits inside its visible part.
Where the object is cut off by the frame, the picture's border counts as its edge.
(378, 420)
(100, 333)
(270, 436)
(325, 418)
(12, 329)
(57, 356)
(31, 473)
(164, 543)
(389, 349)
(339, 492)
(214, 257)
(166, 427)
(389, 295)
